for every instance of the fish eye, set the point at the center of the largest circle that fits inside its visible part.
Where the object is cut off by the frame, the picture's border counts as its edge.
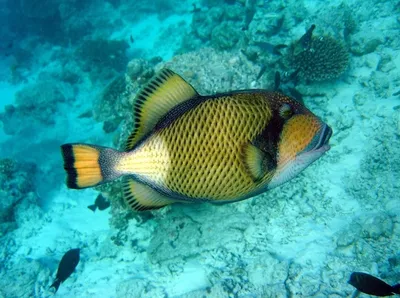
(285, 111)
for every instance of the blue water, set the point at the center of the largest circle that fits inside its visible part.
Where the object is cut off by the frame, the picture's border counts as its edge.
(303, 239)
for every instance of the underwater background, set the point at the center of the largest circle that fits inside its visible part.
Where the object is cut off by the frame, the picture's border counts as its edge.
(68, 68)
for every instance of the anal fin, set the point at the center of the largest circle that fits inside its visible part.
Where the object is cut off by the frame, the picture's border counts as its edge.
(141, 197)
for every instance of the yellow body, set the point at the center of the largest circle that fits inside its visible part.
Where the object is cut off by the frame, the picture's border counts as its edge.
(200, 155)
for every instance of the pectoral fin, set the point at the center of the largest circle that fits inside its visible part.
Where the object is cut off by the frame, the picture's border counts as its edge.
(258, 162)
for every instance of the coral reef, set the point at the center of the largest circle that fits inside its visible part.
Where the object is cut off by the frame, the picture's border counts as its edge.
(106, 107)
(380, 167)
(265, 24)
(211, 71)
(225, 36)
(103, 57)
(339, 21)
(16, 187)
(115, 102)
(162, 7)
(141, 70)
(39, 10)
(57, 21)
(203, 23)
(31, 279)
(327, 59)
(225, 27)
(35, 104)
(363, 45)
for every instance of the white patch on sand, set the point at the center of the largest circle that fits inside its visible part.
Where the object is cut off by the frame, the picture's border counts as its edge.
(193, 278)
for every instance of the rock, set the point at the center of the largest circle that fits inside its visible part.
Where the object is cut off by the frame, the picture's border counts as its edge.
(377, 226)
(35, 105)
(362, 43)
(203, 23)
(132, 288)
(225, 36)
(105, 57)
(16, 194)
(27, 284)
(28, 212)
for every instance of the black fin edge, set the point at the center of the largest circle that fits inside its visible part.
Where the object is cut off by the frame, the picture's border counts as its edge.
(131, 201)
(56, 285)
(92, 207)
(396, 289)
(69, 161)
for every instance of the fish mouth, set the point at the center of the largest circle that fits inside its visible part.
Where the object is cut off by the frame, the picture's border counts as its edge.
(290, 168)
(323, 142)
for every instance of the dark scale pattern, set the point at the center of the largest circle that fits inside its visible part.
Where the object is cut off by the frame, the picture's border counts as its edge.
(205, 146)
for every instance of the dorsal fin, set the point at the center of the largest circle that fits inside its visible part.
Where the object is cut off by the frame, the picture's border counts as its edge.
(164, 91)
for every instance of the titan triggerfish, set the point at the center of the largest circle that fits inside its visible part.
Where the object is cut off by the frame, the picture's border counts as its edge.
(186, 147)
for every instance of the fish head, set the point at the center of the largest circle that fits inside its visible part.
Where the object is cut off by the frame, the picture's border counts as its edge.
(303, 139)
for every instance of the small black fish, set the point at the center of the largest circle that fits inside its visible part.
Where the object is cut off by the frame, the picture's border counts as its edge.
(261, 72)
(67, 265)
(396, 93)
(250, 10)
(278, 26)
(101, 203)
(87, 114)
(372, 285)
(277, 80)
(195, 8)
(306, 39)
(270, 48)
(131, 39)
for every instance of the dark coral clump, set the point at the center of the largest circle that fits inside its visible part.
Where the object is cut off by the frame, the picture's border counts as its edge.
(105, 57)
(110, 103)
(113, 103)
(327, 58)
(34, 105)
(225, 36)
(16, 189)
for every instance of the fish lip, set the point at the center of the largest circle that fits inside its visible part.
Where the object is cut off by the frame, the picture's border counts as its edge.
(323, 142)
(323, 148)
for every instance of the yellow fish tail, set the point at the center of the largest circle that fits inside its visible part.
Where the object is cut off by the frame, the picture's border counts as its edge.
(89, 165)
